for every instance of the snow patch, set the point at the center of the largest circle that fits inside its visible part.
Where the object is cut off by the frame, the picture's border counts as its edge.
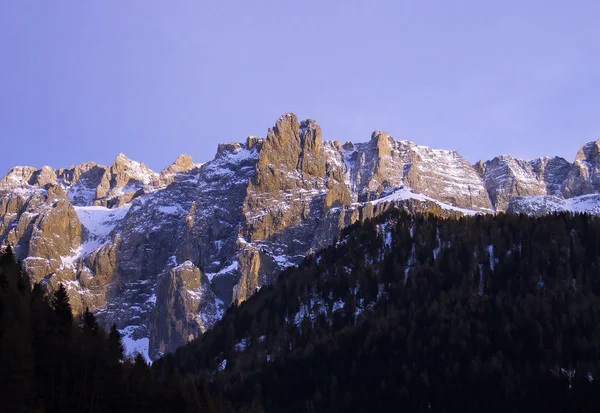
(403, 194)
(100, 221)
(338, 305)
(230, 268)
(553, 204)
(242, 345)
(171, 210)
(134, 346)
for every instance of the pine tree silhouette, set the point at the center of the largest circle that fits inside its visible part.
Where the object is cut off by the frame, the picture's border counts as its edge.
(89, 322)
(62, 308)
(115, 345)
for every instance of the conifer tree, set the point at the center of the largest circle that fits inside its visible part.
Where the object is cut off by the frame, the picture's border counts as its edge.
(90, 324)
(115, 345)
(62, 308)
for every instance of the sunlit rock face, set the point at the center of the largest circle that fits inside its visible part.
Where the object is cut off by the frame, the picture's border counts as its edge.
(163, 254)
(506, 178)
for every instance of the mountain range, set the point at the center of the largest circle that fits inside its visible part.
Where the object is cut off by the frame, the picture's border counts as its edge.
(163, 255)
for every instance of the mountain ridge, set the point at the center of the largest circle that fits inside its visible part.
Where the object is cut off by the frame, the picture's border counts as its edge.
(163, 254)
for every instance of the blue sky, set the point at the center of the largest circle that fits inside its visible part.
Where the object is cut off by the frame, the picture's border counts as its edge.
(83, 81)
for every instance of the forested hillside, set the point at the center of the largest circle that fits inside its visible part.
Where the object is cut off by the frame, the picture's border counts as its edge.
(412, 313)
(50, 362)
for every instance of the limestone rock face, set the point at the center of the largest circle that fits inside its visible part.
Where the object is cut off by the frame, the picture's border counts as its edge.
(385, 163)
(186, 307)
(82, 182)
(447, 177)
(506, 178)
(18, 177)
(584, 176)
(570, 187)
(123, 181)
(44, 229)
(162, 255)
(182, 166)
(285, 201)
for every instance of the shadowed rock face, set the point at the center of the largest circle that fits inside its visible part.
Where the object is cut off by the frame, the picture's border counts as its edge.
(163, 255)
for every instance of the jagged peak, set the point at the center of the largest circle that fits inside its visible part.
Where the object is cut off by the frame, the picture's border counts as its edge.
(82, 167)
(47, 168)
(509, 158)
(286, 124)
(126, 161)
(288, 116)
(383, 141)
(121, 157)
(378, 134)
(505, 159)
(309, 124)
(18, 176)
(589, 150)
(183, 159)
(252, 141)
(230, 147)
(480, 167)
(348, 146)
(20, 169)
(183, 163)
(136, 170)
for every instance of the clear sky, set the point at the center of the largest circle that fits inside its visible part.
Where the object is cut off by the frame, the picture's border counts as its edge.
(85, 80)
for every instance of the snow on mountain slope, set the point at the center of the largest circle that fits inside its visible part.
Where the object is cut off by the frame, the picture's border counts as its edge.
(539, 205)
(407, 193)
(100, 221)
(134, 346)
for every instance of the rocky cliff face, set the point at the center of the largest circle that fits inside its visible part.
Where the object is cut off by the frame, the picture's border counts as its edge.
(506, 178)
(163, 255)
(584, 175)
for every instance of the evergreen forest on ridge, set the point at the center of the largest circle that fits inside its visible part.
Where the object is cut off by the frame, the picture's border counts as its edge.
(410, 313)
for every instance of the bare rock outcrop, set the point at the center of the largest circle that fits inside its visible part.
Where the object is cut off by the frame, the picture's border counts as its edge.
(584, 176)
(506, 178)
(186, 307)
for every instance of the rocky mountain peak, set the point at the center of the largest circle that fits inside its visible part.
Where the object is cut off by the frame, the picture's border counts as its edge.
(178, 170)
(479, 166)
(252, 141)
(348, 146)
(17, 177)
(23, 176)
(286, 132)
(293, 147)
(183, 163)
(584, 176)
(383, 143)
(506, 177)
(134, 169)
(122, 161)
(589, 152)
(125, 180)
(45, 175)
(228, 148)
(311, 135)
